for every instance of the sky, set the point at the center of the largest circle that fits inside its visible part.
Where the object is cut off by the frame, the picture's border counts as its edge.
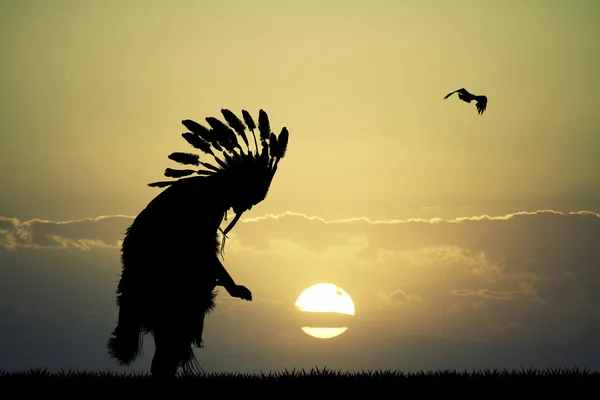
(465, 241)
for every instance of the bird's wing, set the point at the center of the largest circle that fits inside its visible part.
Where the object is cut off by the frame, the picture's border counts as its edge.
(450, 94)
(481, 104)
(461, 91)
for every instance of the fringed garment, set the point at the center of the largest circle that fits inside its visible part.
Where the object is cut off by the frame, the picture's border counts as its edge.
(170, 251)
(167, 286)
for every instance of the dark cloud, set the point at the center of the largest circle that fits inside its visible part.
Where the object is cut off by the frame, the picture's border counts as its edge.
(491, 294)
(520, 289)
(82, 234)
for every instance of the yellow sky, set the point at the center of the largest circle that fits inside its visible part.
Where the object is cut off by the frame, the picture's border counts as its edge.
(93, 94)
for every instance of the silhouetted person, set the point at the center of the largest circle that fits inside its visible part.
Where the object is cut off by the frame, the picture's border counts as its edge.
(467, 97)
(169, 256)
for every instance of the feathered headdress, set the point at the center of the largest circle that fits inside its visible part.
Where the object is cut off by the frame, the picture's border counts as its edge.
(253, 171)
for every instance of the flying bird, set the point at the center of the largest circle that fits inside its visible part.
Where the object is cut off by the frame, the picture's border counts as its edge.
(467, 97)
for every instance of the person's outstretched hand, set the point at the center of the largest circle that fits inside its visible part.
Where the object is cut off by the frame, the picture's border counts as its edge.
(241, 292)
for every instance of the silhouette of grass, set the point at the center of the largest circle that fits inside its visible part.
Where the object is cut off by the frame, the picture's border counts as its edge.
(323, 377)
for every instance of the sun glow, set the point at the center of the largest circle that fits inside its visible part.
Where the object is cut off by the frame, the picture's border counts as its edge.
(324, 333)
(325, 298)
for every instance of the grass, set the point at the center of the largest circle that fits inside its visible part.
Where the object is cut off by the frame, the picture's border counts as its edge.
(302, 378)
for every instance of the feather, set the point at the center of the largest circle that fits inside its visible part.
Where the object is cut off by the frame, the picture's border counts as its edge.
(203, 172)
(273, 146)
(178, 173)
(251, 126)
(248, 159)
(228, 159)
(198, 129)
(185, 158)
(225, 134)
(233, 140)
(235, 123)
(209, 166)
(216, 143)
(203, 132)
(161, 184)
(197, 142)
(220, 162)
(239, 157)
(248, 120)
(283, 142)
(264, 125)
(264, 154)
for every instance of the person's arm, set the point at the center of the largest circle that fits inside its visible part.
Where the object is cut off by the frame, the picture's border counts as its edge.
(225, 280)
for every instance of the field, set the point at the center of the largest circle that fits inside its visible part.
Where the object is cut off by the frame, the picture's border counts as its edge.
(308, 379)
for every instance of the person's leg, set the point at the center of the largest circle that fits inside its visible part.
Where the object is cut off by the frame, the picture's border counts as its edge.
(167, 354)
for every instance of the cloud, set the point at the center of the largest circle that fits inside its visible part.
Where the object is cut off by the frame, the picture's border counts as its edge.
(398, 296)
(491, 294)
(526, 277)
(103, 231)
(410, 220)
(519, 266)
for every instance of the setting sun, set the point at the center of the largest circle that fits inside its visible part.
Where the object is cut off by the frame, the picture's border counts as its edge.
(325, 298)
(324, 333)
